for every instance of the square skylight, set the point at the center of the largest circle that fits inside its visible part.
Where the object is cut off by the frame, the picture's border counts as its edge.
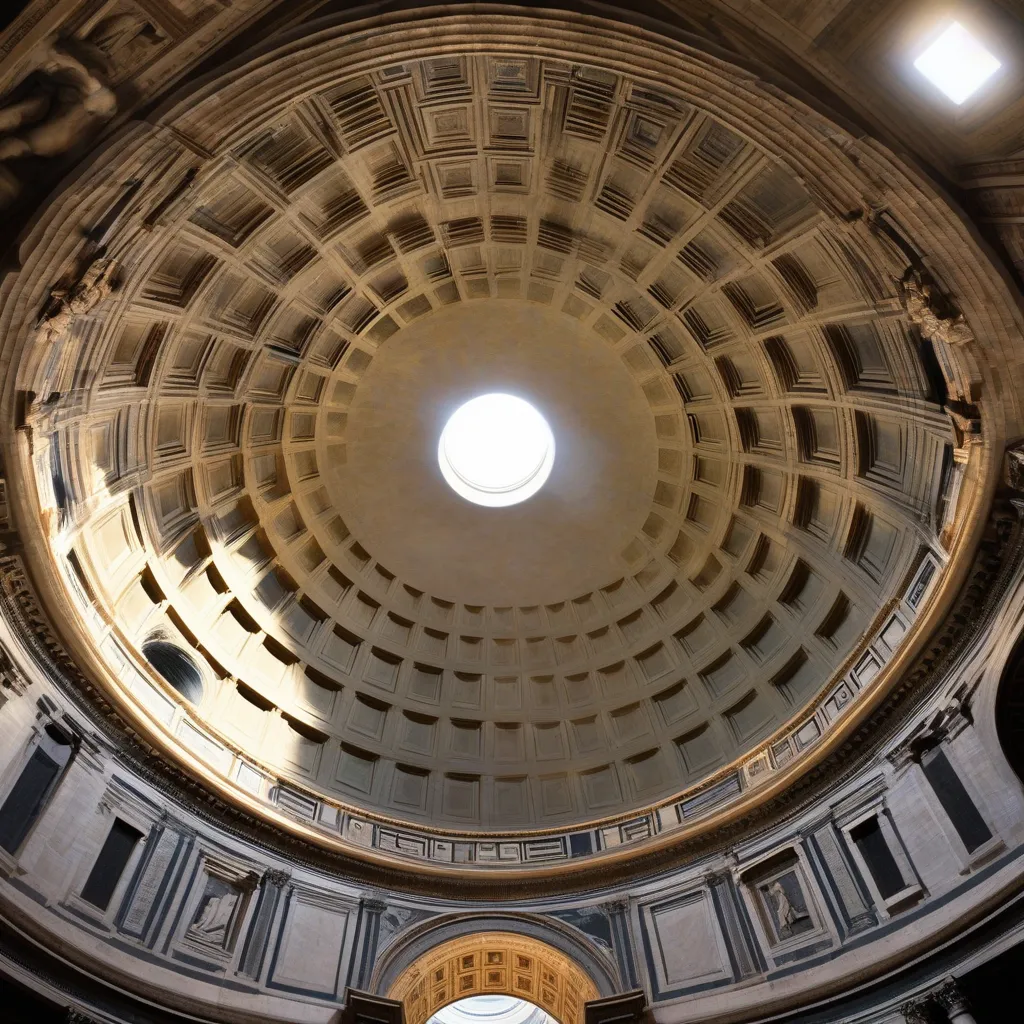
(957, 63)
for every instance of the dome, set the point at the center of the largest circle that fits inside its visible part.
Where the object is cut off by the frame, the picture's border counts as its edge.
(518, 505)
(751, 469)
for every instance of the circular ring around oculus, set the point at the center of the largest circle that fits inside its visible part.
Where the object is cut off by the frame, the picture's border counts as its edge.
(496, 450)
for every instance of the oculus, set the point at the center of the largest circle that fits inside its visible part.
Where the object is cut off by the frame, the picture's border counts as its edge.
(496, 450)
(491, 1009)
(957, 64)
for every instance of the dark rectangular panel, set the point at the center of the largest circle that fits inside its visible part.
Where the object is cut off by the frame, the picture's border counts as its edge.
(881, 863)
(110, 864)
(25, 801)
(955, 800)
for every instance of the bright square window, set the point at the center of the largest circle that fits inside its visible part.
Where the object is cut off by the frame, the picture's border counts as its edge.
(957, 64)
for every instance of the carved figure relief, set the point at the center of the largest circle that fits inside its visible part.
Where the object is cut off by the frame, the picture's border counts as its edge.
(784, 899)
(395, 920)
(215, 913)
(60, 103)
(592, 921)
(941, 324)
(66, 303)
(933, 312)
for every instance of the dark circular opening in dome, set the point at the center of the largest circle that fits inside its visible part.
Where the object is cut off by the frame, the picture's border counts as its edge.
(176, 667)
(1010, 710)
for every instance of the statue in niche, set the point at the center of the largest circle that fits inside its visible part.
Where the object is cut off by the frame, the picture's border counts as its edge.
(215, 913)
(785, 899)
(932, 312)
(60, 103)
(96, 283)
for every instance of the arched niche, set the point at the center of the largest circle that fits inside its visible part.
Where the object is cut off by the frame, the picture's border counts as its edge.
(176, 667)
(1010, 710)
(492, 963)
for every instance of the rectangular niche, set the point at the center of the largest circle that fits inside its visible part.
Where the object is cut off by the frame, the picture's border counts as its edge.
(785, 905)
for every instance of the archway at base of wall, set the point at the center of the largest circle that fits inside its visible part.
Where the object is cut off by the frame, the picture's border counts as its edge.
(494, 963)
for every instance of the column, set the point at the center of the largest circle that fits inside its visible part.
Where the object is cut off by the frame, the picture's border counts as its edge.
(371, 907)
(150, 894)
(839, 873)
(744, 952)
(254, 951)
(954, 1003)
(622, 942)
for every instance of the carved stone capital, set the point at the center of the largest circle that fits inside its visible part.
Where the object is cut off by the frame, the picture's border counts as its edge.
(373, 903)
(277, 878)
(915, 1011)
(617, 906)
(187, 832)
(952, 999)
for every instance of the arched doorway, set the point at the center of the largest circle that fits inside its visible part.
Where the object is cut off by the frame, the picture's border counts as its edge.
(494, 963)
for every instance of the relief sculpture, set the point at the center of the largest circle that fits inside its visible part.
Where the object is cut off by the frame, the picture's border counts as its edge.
(932, 312)
(215, 916)
(784, 898)
(66, 303)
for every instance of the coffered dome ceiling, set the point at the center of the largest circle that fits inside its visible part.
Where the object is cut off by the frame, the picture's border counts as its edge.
(330, 249)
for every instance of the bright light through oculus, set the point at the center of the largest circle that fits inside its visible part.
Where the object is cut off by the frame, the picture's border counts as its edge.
(957, 63)
(496, 450)
(491, 1009)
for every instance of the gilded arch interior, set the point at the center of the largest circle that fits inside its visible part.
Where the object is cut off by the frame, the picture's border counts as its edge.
(499, 963)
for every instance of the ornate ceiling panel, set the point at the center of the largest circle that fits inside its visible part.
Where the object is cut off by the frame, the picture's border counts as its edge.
(494, 963)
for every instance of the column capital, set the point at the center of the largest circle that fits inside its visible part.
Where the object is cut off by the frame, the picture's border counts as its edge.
(373, 903)
(721, 876)
(619, 905)
(915, 1011)
(952, 999)
(277, 878)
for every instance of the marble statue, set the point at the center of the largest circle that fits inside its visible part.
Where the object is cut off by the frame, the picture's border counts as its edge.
(66, 102)
(928, 309)
(96, 283)
(215, 916)
(786, 913)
